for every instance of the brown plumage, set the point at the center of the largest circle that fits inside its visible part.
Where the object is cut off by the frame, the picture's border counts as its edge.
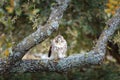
(58, 48)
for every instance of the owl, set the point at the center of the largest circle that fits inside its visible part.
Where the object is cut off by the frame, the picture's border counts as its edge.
(58, 48)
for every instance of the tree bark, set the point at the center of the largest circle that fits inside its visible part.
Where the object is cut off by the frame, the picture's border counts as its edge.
(14, 63)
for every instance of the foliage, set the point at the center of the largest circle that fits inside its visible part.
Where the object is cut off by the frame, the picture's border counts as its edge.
(112, 6)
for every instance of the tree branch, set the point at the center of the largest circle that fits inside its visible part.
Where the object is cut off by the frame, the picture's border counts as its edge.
(38, 36)
(112, 26)
(93, 57)
(41, 33)
(63, 65)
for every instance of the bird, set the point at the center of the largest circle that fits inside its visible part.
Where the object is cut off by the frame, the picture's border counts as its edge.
(58, 48)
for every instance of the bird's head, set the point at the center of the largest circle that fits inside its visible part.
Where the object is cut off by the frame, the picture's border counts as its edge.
(59, 39)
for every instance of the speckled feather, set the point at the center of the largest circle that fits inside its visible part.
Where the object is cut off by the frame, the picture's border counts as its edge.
(58, 48)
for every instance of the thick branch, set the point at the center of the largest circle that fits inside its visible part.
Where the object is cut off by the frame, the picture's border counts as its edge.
(41, 33)
(112, 26)
(93, 57)
(78, 60)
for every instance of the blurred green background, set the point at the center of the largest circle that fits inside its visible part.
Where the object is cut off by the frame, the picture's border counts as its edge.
(81, 25)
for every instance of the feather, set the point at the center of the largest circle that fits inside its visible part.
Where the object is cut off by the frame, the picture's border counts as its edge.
(49, 53)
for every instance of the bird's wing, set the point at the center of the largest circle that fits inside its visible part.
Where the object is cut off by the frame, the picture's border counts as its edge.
(49, 53)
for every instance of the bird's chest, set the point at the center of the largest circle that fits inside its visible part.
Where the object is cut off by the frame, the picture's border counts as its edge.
(57, 49)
